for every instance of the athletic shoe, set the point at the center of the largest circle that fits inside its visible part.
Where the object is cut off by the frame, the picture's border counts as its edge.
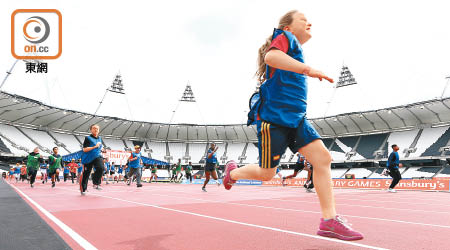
(338, 228)
(83, 193)
(139, 185)
(128, 182)
(218, 183)
(390, 190)
(309, 190)
(204, 189)
(42, 182)
(98, 187)
(227, 181)
(32, 185)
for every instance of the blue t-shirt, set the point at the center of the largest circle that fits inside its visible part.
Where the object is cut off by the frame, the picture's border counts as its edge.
(17, 170)
(80, 168)
(107, 166)
(66, 170)
(283, 97)
(136, 163)
(43, 166)
(120, 170)
(213, 158)
(393, 160)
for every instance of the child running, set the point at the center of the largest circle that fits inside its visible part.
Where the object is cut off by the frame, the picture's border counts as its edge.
(17, 172)
(154, 176)
(23, 173)
(54, 165)
(188, 172)
(44, 168)
(73, 169)
(210, 167)
(92, 158)
(33, 161)
(298, 167)
(280, 115)
(120, 173)
(135, 166)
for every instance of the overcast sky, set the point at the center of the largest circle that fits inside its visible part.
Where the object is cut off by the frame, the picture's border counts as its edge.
(398, 51)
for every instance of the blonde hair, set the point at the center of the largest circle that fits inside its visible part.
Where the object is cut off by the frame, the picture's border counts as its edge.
(285, 20)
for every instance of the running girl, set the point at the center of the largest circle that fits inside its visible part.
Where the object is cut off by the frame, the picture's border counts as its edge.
(210, 167)
(281, 119)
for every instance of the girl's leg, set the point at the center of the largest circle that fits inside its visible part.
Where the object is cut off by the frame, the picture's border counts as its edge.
(207, 174)
(214, 175)
(319, 156)
(253, 172)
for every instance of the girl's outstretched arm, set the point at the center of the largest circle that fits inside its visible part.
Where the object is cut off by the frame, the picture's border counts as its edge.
(278, 59)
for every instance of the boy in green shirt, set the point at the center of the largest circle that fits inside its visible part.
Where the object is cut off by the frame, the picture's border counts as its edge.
(55, 163)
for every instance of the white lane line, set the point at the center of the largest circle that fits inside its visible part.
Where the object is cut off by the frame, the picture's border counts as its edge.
(316, 202)
(295, 210)
(244, 224)
(69, 231)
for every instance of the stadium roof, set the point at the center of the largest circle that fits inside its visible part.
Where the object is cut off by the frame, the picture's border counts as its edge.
(21, 111)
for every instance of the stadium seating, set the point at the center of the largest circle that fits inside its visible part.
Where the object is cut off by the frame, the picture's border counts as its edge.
(444, 173)
(252, 153)
(360, 172)
(418, 172)
(177, 151)
(113, 144)
(159, 150)
(197, 151)
(403, 139)
(4, 148)
(68, 140)
(234, 150)
(43, 139)
(338, 172)
(427, 138)
(433, 149)
(369, 144)
(18, 137)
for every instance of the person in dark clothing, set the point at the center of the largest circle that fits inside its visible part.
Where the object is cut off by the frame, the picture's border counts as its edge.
(92, 158)
(33, 162)
(392, 165)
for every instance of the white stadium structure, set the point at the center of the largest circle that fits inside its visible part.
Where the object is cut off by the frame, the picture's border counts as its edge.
(359, 142)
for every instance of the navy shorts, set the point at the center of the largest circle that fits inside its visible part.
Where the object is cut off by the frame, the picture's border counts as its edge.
(210, 167)
(299, 167)
(273, 140)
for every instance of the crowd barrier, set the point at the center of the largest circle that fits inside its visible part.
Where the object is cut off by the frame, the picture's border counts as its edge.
(435, 184)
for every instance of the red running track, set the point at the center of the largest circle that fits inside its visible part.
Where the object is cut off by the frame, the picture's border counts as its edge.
(177, 216)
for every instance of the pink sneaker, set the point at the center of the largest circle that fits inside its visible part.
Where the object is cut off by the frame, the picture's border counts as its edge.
(338, 228)
(227, 181)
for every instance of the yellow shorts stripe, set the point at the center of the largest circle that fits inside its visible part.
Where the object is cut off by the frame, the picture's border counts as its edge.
(269, 152)
(263, 145)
